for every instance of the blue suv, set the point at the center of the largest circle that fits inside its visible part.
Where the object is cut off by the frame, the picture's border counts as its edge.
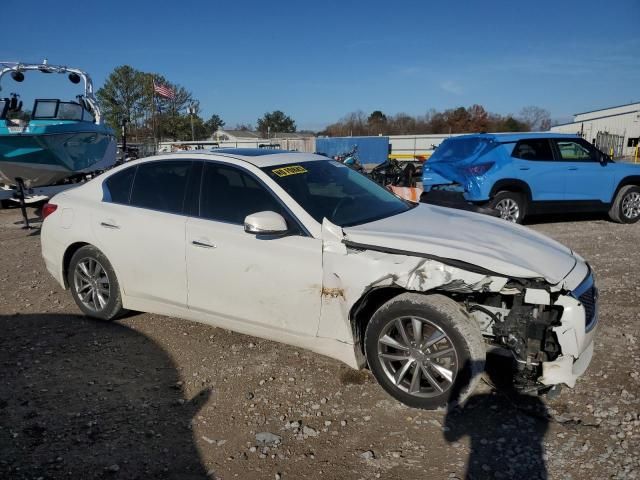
(525, 173)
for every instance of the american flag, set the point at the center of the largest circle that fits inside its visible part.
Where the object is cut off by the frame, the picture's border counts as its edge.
(164, 91)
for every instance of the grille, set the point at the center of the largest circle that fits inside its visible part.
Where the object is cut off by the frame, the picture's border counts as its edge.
(589, 300)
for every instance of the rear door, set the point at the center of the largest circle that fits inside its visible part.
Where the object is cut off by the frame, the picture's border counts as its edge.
(534, 164)
(247, 279)
(141, 229)
(587, 178)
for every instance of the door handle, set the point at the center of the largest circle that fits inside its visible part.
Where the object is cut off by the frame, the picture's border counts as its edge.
(524, 168)
(202, 244)
(573, 168)
(113, 226)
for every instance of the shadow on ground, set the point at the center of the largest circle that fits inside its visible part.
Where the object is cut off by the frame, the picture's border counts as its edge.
(565, 217)
(87, 399)
(506, 429)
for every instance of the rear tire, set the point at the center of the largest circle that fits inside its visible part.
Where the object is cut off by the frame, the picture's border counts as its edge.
(94, 285)
(512, 206)
(626, 206)
(424, 350)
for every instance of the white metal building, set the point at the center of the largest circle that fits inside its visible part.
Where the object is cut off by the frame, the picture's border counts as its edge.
(614, 130)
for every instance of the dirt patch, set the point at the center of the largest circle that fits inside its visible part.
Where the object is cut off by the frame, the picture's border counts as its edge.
(157, 397)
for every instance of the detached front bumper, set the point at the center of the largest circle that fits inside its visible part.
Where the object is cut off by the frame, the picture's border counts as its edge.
(575, 335)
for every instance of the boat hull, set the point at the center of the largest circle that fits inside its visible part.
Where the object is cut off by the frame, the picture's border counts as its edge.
(47, 155)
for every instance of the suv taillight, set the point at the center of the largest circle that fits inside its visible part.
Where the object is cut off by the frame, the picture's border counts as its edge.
(478, 170)
(48, 209)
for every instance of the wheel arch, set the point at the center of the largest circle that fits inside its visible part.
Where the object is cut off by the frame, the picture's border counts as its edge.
(628, 180)
(66, 259)
(364, 308)
(511, 185)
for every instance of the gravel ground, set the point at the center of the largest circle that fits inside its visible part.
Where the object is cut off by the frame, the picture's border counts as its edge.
(157, 397)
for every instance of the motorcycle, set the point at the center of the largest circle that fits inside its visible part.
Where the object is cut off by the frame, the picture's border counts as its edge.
(395, 173)
(351, 159)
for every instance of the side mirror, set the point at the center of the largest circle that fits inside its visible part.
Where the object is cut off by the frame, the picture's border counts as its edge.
(604, 158)
(269, 223)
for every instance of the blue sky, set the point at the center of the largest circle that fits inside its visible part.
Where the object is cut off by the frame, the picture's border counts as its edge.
(317, 61)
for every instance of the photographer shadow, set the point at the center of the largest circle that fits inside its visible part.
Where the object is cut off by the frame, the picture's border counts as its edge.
(81, 398)
(506, 428)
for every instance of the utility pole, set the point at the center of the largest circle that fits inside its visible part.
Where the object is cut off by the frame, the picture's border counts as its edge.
(124, 139)
(192, 112)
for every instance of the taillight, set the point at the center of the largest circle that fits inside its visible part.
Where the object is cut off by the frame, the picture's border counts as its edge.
(48, 209)
(478, 170)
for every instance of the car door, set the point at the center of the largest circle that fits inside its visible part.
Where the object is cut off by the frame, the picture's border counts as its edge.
(534, 164)
(587, 178)
(141, 226)
(273, 282)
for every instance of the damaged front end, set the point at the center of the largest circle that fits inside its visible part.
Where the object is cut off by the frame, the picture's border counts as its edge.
(547, 328)
(549, 333)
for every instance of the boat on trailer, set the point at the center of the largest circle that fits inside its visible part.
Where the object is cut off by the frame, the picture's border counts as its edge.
(61, 140)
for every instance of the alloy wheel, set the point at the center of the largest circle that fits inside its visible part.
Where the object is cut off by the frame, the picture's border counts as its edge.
(509, 209)
(91, 284)
(631, 205)
(417, 356)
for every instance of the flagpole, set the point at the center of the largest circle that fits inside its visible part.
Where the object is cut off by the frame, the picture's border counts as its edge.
(153, 113)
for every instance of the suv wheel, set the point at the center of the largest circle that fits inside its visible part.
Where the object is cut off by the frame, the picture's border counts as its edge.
(626, 206)
(94, 285)
(511, 206)
(424, 350)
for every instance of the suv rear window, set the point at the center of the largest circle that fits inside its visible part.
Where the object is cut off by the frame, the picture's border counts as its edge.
(533, 149)
(457, 149)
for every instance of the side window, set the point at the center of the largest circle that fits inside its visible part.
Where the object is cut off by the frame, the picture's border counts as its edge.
(573, 150)
(229, 195)
(161, 185)
(533, 149)
(117, 188)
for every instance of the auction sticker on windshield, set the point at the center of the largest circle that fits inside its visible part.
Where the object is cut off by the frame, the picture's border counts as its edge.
(290, 170)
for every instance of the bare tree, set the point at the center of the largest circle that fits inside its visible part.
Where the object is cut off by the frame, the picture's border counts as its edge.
(536, 118)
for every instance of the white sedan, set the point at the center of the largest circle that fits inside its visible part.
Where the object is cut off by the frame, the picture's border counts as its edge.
(302, 250)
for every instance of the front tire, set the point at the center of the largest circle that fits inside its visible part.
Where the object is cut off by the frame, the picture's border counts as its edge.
(94, 285)
(424, 350)
(626, 206)
(512, 206)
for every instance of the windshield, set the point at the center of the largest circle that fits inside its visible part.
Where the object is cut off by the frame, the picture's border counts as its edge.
(328, 189)
(56, 109)
(455, 150)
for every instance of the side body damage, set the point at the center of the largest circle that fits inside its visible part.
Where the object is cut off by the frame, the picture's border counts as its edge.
(542, 325)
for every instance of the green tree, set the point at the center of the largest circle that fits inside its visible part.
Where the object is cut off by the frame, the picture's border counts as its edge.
(377, 122)
(171, 116)
(123, 97)
(511, 124)
(214, 124)
(276, 122)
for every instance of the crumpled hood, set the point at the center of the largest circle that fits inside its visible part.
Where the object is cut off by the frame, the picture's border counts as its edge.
(480, 240)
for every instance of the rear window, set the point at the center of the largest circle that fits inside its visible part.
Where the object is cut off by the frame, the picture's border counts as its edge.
(161, 185)
(533, 149)
(460, 149)
(119, 186)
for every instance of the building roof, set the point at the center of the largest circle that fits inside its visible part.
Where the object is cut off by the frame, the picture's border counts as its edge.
(241, 133)
(277, 135)
(609, 108)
